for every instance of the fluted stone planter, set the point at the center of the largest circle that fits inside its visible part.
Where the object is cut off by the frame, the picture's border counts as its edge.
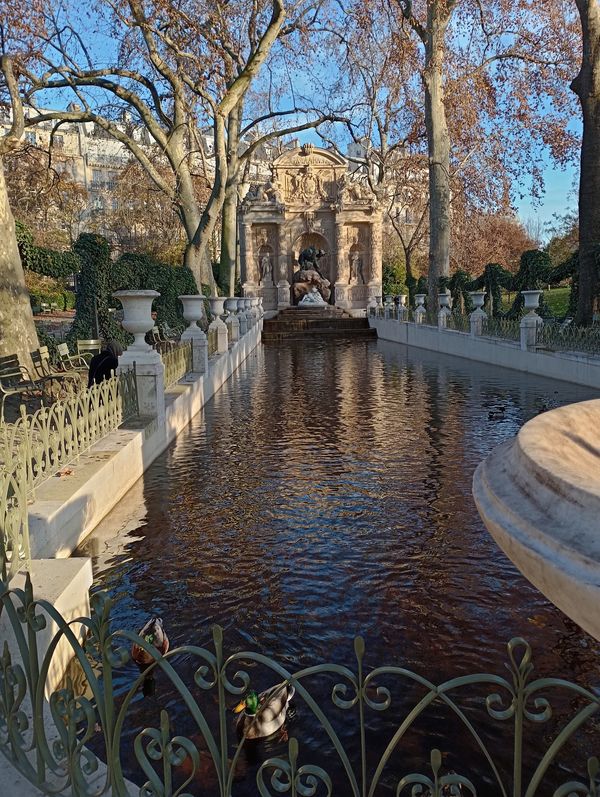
(478, 316)
(137, 316)
(193, 312)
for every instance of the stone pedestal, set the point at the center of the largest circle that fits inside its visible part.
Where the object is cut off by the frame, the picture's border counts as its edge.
(478, 316)
(150, 379)
(193, 312)
(241, 314)
(283, 294)
(529, 325)
(232, 322)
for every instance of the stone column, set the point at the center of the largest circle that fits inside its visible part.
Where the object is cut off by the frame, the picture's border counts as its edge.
(250, 270)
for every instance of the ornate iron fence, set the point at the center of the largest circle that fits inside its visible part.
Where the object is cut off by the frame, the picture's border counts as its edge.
(342, 749)
(177, 360)
(213, 343)
(506, 328)
(38, 445)
(458, 322)
(568, 338)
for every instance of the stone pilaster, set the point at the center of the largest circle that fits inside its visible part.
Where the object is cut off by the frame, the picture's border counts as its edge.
(250, 270)
(282, 255)
(343, 265)
(376, 270)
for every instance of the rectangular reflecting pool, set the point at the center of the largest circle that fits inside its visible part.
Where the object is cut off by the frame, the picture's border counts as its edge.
(325, 493)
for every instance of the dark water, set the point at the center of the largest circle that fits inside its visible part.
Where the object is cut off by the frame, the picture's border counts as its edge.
(326, 492)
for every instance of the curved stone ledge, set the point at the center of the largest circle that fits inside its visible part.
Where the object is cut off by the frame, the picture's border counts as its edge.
(539, 496)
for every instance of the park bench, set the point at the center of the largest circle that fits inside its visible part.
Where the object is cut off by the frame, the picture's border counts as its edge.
(86, 348)
(44, 370)
(53, 307)
(45, 307)
(15, 380)
(71, 362)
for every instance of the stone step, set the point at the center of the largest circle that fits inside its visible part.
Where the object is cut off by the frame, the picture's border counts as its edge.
(299, 324)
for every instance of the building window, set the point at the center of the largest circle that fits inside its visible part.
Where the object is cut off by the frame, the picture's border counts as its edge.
(30, 137)
(59, 142)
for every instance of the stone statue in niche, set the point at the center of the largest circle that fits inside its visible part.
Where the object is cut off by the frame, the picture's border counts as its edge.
(357, 276)
(265, 270)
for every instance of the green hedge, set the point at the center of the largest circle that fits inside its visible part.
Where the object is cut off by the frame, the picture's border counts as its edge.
(48, 262)
(64, 299)
(100, 277)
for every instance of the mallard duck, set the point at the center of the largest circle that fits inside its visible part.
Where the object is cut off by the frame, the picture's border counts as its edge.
(264, 714)
(153, 633)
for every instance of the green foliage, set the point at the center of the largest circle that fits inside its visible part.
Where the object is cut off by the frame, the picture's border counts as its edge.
(48, 340)
(100, 277)
(494, 279)
(92, 317)
(48, 262)
(534, 274)
(459, 285)
(63, 298)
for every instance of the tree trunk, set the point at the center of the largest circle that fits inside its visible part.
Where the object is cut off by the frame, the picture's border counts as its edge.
(210, 216)
(227, 265)
(438, 143)
(587, 87)
(17, 329)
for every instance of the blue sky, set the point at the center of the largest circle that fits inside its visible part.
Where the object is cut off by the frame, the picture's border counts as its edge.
(559, 198)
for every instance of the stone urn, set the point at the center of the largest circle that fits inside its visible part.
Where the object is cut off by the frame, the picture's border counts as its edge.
(445, 300)
(137, 315)
(532, 300)
(193, 310)
(231, 304)
(402, 298)
(216, 305)
(420, 300)
(478, 299)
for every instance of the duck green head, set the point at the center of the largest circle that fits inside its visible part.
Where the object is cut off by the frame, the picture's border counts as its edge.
(249, 704)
